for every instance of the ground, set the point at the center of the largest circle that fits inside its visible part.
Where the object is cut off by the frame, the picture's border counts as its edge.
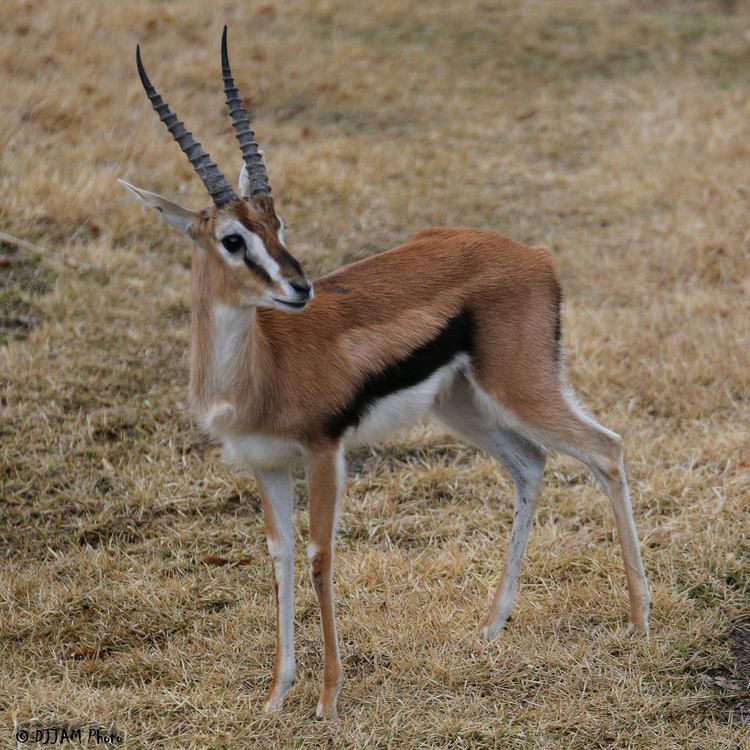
(615, 133)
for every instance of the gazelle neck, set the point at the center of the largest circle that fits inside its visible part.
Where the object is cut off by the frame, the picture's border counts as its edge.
(224, 340)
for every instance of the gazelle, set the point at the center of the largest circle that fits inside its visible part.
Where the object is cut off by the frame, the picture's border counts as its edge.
(457, 324)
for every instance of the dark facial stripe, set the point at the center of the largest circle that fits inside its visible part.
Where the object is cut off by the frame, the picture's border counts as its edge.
(454, 339)
(291, 260)
(255, 268)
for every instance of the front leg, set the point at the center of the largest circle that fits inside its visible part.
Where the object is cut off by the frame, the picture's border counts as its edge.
(277, 495)
(325, 478)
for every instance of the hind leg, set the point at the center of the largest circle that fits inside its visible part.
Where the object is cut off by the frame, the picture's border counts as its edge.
(559, 422)
(601, 450)
(525, 463)
(611, 474)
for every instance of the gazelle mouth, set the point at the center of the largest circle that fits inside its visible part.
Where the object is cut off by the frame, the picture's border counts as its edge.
(289, 303)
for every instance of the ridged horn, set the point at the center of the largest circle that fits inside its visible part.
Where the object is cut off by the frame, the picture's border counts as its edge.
(212, 178)
(251, 154)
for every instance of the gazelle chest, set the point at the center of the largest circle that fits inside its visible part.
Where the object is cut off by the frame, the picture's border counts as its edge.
(230, 331)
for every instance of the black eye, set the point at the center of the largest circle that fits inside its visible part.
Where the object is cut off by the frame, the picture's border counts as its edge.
(233, 243)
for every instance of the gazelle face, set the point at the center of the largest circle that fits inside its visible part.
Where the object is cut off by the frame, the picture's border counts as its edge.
(242, 251)
(248, 239)
(243, 260)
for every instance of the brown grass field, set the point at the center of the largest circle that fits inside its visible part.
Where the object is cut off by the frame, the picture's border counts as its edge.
(617, 133)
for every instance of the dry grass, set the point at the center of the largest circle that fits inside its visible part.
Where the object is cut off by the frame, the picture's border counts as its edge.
(615, 132)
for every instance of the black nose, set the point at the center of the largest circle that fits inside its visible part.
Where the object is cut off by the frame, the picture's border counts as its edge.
(302, 287)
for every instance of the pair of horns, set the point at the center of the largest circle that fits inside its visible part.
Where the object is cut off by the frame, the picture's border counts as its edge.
(215, 182)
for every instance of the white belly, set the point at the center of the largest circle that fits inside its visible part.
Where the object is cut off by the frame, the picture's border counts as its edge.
(404, 408)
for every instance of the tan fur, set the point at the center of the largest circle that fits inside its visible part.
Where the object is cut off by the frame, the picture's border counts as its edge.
(270, 384)
(375, 312)
(298, 370)
(285, 376)
(324, 490)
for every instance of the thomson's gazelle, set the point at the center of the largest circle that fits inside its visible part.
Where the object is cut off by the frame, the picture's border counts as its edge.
(457, 324)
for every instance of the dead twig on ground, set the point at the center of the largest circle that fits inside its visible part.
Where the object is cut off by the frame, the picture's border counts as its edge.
(9, 239)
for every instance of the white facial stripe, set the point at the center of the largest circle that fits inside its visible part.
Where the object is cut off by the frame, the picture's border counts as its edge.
(256, 250)
(280, 233)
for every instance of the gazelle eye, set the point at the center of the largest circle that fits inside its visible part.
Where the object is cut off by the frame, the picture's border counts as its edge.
(233, 243)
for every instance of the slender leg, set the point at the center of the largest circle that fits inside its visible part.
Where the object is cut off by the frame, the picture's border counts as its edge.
(325, 477)
(525, 462)
(562, 424)
(577, 434)
(278, 503)
(612, 477)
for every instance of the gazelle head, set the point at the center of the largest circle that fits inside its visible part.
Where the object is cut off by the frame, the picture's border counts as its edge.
(240, 240)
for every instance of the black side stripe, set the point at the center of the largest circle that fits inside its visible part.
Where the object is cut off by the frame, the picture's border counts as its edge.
(454, 339)
(558, 300)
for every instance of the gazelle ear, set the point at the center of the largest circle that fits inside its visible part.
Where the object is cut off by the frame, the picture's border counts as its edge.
(244, 183)
(174, 214)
